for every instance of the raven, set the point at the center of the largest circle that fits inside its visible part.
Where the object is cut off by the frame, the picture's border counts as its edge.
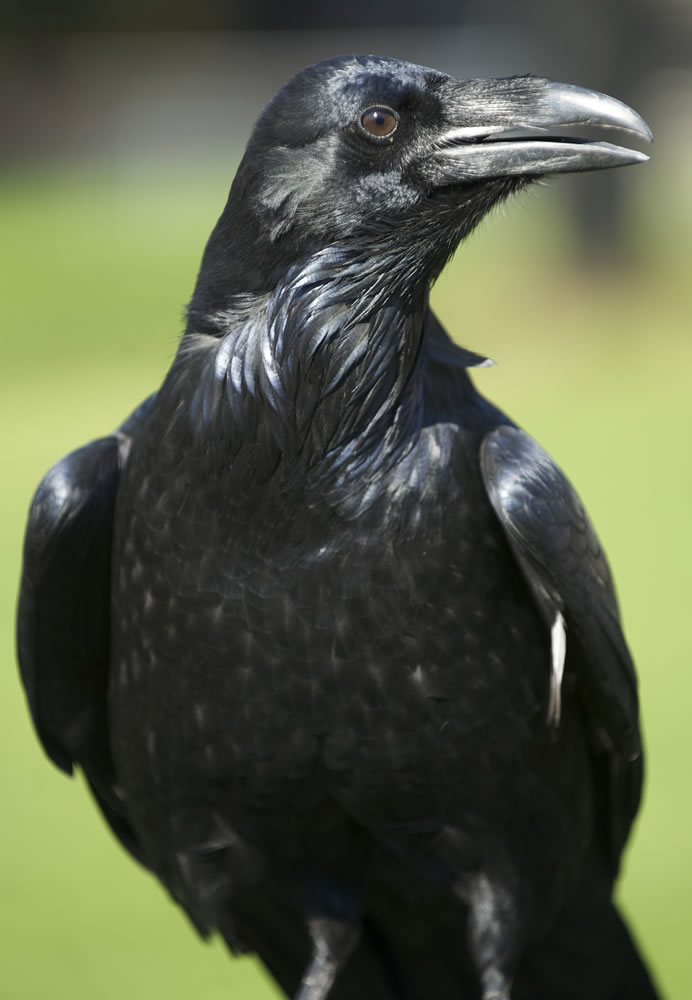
(333, 641)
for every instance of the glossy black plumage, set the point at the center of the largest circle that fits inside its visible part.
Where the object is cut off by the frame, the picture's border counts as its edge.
(301, 619)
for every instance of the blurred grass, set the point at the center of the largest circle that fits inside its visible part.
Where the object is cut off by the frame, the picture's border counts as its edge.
(96, 268)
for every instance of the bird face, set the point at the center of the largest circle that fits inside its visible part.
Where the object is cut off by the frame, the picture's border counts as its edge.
(358, 150)
(362, 138)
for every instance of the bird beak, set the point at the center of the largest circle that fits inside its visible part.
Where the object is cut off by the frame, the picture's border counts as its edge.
(487, 123)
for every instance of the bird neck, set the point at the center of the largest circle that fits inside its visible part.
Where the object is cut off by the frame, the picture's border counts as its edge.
(324, 371)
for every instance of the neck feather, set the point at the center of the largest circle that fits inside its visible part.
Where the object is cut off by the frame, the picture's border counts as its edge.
(321, 373)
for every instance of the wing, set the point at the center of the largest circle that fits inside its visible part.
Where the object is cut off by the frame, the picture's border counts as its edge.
(564, 565)
(63, 621)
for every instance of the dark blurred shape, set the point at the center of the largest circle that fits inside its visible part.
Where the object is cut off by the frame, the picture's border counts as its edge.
(159, 15)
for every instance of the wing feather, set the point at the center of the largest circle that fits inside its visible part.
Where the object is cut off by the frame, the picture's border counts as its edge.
(558, 550)
(63, 619)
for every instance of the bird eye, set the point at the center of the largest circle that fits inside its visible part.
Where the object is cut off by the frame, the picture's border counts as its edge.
(379, 122)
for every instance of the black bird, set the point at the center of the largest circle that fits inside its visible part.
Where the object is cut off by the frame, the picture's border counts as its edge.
(333, 641)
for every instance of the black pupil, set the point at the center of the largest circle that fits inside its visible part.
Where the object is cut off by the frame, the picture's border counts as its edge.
(378, 121)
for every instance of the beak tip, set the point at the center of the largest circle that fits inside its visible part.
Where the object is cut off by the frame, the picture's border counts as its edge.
(640, 128)
(579, 106)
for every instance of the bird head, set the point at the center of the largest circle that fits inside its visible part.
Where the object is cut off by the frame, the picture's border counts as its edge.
(373, 155)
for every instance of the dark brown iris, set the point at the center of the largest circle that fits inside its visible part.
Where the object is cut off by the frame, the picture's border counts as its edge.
(379, 122)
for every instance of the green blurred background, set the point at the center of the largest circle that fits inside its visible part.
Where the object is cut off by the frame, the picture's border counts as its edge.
(116, 163)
